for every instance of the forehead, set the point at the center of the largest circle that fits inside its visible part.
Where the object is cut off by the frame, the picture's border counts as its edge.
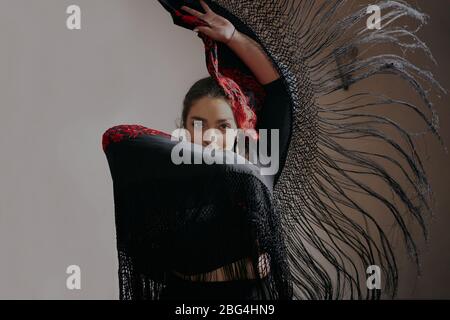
(211, 108)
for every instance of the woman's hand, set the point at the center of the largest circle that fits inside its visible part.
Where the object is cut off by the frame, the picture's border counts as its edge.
(218, 29)
(248, 50)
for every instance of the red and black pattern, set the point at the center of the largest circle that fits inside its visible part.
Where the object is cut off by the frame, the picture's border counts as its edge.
(248, 84)
(233, 81)
(123, 132)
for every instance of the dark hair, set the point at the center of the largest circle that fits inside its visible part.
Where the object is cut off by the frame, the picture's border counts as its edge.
(206, 87)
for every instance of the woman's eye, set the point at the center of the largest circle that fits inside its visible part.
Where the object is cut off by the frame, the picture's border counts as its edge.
(225, 126)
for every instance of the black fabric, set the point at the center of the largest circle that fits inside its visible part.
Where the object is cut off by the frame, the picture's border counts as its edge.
(195, 218)
(191, 221)
(276, 113)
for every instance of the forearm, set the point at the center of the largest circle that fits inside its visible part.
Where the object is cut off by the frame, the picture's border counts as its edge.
(254, 57)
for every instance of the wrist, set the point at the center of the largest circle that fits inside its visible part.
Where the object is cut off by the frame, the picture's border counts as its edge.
(233, 37)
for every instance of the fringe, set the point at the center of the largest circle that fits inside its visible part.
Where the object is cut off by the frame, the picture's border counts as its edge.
(338, 202)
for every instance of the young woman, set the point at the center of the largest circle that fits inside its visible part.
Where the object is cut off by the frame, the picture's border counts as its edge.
(208, 106)
(312, 229)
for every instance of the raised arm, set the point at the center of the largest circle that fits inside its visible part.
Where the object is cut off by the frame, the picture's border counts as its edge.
(248, 50)
(254, 57)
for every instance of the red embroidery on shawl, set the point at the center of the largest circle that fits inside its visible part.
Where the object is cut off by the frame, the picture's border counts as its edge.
(123, 132)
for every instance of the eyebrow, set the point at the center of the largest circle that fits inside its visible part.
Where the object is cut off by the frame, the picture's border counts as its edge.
(218, 121)
(197, 118)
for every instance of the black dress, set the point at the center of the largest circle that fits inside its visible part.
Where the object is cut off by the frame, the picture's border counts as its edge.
(195, 218)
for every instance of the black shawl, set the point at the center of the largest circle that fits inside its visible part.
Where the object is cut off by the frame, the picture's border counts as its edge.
(325, 220)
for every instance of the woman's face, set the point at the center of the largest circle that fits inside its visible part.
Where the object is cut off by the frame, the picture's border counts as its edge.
(211, 113)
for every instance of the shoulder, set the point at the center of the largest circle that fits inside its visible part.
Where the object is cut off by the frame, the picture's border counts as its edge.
(128, 131)
(277, 85)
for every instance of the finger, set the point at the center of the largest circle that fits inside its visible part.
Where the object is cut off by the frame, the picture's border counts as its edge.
(205, 6)
(193, 12)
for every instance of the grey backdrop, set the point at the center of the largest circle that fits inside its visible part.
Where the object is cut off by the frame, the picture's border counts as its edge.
(60, 90)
